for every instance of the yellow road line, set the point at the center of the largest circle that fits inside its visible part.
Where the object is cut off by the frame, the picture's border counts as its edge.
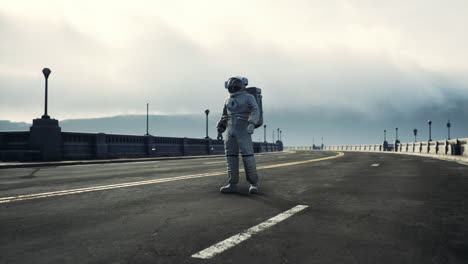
(138, 183)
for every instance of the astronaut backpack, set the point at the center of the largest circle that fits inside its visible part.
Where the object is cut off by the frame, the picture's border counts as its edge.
(257, 93)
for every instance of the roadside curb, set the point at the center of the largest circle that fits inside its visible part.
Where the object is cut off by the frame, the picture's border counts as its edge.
(434, 156)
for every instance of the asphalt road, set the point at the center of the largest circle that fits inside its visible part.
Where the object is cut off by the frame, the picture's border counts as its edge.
(358, 208)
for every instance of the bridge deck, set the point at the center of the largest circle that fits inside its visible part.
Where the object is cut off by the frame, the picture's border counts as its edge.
(360, 208)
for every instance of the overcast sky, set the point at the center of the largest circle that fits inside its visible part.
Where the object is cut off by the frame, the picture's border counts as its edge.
(112, 57)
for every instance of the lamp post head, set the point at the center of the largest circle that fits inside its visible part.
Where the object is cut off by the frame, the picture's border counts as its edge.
(46, 72)
(415, 131)
(429, 122)
(264, 126)
(449, 124)
(207, 111)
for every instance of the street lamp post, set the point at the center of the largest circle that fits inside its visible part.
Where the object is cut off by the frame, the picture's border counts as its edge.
(207, 111)
(147, 119)
(429, 122)
(448, 127)
(281, 133)
(396, 140)
(385, 143)
(277, 134)
(264, 133)
(415, 132)
(46, 72)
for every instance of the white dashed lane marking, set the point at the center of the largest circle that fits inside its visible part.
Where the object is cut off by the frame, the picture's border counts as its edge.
(375, 165)
(241, 237)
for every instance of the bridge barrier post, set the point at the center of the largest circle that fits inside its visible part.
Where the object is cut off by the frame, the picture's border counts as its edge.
(46, 136)
(432, 147)
(150, 145)
(462, 146)
(445, 148)
(185, 147)
(100, 146)
(208, 146)
(426, 147)
(452, 148)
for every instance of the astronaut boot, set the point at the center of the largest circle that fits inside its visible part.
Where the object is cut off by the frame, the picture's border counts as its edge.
(251, 173)
(233, 174)
(253, 189)
(230, 188)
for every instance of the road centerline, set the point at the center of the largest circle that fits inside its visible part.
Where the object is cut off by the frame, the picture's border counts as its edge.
(243, 236)
(146, 182)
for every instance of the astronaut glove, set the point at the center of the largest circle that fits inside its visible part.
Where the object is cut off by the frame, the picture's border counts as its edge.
(250, 128)
(220, 136)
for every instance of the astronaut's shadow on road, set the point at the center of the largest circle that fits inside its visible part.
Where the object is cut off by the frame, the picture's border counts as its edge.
(265, 197)
(246, 194)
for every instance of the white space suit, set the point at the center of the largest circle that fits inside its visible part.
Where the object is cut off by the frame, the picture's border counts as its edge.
(240, 115)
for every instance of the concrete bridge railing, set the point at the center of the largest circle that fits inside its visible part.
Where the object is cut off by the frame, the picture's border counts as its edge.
(18, 146)
(454, 147)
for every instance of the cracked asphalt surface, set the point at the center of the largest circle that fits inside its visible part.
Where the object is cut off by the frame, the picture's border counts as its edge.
(406, 209)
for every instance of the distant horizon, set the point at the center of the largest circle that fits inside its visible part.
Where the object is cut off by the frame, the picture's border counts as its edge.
(299, 128)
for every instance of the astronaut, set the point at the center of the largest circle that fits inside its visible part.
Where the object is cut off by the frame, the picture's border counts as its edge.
(240, 115)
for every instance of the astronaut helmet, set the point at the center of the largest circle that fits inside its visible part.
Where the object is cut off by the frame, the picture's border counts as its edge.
(235, 84)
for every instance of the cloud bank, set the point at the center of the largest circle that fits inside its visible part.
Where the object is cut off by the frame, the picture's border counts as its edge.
(111, 57)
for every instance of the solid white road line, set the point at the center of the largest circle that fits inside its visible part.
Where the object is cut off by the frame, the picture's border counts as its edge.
(241, 237)
(214, 162)
(375, 165)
